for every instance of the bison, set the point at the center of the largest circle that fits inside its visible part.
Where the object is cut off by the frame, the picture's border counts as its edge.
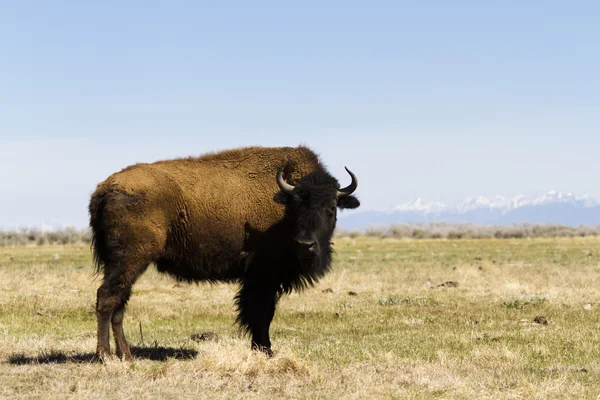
(262, 217)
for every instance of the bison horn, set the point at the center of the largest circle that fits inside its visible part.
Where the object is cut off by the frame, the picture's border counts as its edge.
(283, 185)
(348, 190)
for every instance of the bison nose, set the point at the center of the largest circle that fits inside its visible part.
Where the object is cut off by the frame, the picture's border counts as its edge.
(307, 247)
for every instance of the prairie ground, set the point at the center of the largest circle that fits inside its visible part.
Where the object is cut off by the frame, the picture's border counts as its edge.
(395, 319)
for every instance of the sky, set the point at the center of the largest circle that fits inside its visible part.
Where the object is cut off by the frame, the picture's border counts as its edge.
(434, 99)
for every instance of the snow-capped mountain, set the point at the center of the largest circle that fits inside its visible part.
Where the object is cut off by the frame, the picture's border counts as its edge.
(419, 206)
(552, 207)
(505, 205)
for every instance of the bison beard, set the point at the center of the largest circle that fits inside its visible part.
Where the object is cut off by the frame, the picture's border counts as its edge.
(263, 217)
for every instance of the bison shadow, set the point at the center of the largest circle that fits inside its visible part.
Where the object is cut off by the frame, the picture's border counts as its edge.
(155, 353)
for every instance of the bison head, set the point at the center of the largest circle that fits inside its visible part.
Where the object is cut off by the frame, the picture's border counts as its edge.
(312, 206)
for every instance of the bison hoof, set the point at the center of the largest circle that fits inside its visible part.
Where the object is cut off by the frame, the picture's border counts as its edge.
(263, 349)
(102, 357)
(125, 356)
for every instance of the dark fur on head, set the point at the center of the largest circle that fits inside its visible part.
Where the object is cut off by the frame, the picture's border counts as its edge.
(312, 211)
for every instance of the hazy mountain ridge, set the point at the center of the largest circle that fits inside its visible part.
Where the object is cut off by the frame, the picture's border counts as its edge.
(553, 208)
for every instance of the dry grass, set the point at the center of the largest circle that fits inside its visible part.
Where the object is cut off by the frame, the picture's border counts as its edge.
(407, 333)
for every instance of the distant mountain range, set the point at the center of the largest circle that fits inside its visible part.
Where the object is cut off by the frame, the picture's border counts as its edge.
(553, 207)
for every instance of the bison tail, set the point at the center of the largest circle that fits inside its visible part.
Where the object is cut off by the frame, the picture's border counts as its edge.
(99, 235)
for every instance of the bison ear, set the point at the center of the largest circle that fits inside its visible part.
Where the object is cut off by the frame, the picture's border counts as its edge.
(281, 198)
(348, 202)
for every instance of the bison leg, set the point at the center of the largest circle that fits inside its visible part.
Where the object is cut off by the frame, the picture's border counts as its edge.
(105, 305)
(122, 348)
(113, 295)
(256, 302)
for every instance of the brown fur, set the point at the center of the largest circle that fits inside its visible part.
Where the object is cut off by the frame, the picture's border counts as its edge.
(197, 199)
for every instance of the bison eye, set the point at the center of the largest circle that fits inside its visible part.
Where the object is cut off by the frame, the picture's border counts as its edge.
(331, 211)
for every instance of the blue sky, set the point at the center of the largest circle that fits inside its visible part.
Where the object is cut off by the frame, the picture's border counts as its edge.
(432, 99)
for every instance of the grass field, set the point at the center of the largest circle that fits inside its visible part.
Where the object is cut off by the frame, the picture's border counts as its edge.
(425, 319)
